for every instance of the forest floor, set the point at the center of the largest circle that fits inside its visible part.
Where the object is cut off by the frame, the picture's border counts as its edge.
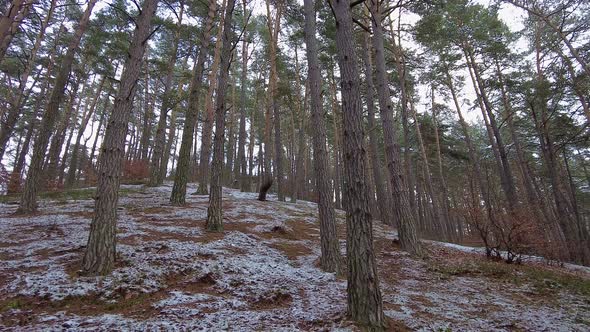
(259, 274)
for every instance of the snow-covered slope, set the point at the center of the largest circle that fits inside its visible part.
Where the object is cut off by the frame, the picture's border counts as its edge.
(260, 274)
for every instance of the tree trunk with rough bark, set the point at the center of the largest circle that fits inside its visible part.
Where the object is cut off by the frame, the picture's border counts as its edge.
(401, 198)
(156, 169)
(100, 255)
(364, 296)
(330, 259)
(215, 211)
(273, 29)
(28, 203)
(178, 196)
(207, 131)
(383, 200)
(240, 171)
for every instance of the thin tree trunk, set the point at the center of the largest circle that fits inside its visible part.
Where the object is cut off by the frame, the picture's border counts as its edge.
(207, 131)
(381, 190)
(401, 198)
(215, 211)
(330, 259)
(74, 165)
(59, 137)
(274, 28)
(178, 196)
(156, 169)
(28, 203)
(7, 126)
(240, 169)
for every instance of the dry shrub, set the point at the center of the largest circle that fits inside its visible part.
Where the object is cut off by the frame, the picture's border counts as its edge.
(14, 183)
(136, 170)
(54, 185)
(510, 235)
(89, 175)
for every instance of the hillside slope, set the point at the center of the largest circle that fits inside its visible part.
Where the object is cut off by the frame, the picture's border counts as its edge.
(260, 274)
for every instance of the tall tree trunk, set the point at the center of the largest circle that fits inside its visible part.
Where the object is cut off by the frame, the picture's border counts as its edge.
(57, 141)
(28, 203)
(364, 296)
(15, 177)
(215, 212)
(74, 164)
(156, 169)
(227, 177)
(330, 259)
(336, 174)
(207, 130)
(178, 196)
(437, 218)
(99, 258)
(299, 184)
(400, 63)
(401, 198)
(381, 190)
(507, 179)
(148, 113)
(240, 168)
(273, 29)
(7, 126)
(443, 183)
(10, 21)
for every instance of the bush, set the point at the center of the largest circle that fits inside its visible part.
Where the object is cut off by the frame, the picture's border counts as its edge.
(135, 170)
(509, 236)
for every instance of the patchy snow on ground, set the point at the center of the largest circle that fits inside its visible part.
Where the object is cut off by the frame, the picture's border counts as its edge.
(259, 274)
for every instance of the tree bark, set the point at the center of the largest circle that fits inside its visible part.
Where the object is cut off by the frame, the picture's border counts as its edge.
(215, 212)
(156, 176)
(240, 171)
(273, 29)
(330, 259)
(383, 200)
(74, 164)
(207, 130)
(401, 198)
(100, 255)
(178, 196)
(364, 296)
(28, 203)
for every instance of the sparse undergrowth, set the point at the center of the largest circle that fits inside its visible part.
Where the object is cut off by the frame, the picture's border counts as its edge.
(64, 196)
(544, 281)
(260, 274)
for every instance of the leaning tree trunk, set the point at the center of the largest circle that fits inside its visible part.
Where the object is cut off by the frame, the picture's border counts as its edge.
(100, 255)
(401, 198)
(74, 164)
(10, 21)
(57, 141)
(28, 203)
(364, 296)
(7, 126)
(178, 196)
(330, 259)
(215, 212)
